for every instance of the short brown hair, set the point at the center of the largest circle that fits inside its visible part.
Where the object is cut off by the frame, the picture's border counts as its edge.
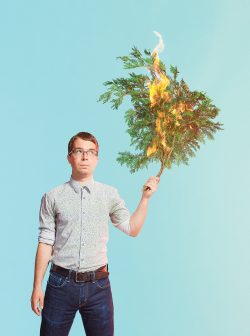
(84, 136)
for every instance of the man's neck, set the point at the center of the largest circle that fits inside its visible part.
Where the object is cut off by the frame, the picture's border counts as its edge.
(81, 179)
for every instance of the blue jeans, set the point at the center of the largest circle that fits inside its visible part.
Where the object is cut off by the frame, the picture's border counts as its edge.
(64, 297)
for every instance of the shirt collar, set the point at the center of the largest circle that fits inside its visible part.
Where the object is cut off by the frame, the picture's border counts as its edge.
(86, 184)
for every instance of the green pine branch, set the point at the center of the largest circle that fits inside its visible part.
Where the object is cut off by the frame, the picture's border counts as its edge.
(183, 133)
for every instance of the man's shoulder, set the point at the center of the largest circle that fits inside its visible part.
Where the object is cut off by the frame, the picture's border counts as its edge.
(105, 186)
(57, 190)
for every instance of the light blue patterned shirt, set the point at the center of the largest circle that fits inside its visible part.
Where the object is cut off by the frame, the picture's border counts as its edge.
(74, 219)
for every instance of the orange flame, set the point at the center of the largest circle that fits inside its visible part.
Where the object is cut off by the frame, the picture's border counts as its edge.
(157, 89)
(158, 93)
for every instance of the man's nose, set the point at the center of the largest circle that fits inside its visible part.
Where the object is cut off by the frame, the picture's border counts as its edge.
(84, 156)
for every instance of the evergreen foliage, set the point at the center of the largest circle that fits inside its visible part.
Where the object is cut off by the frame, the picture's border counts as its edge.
(168, 121)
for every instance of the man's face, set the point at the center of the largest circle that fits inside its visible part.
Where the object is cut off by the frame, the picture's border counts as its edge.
(84, 164)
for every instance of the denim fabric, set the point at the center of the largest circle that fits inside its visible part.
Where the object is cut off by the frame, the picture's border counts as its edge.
(64, 297)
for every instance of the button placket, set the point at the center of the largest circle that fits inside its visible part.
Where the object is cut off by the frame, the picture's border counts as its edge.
(84, 200)
(83, 221)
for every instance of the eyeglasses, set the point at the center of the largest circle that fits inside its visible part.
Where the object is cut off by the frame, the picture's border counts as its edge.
(78, 152)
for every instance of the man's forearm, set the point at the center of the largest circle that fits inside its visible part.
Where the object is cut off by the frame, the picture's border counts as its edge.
(43, 255)
(137, 219)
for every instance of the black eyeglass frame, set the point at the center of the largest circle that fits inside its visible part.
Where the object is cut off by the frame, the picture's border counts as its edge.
(95, 153)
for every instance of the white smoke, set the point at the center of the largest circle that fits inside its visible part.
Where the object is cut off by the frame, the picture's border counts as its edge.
(160, 46)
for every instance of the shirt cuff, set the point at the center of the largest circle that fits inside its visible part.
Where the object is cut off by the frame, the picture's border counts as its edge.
(46, 237)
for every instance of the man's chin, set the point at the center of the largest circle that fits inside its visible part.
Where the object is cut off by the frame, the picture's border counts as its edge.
(84, 172)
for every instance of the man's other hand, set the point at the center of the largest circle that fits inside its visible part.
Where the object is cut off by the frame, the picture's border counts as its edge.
(37, 297)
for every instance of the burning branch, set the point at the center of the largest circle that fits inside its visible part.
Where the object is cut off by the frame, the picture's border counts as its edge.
(168, 121)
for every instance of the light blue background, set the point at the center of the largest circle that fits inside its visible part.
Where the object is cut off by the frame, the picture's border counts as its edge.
(187, 273)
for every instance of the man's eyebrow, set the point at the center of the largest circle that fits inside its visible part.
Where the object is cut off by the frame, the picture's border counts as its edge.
(83, 148)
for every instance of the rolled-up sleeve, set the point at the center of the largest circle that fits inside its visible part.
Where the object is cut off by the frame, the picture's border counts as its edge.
(119, 214)
(46, 221)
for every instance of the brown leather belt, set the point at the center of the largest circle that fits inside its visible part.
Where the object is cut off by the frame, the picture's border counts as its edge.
(99, 273)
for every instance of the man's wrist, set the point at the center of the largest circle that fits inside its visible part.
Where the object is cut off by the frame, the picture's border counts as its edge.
(145, 198)
(37, 285)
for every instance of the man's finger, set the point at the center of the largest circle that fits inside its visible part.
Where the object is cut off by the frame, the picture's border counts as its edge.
(41, 302)
(154, 179)
(35, 308)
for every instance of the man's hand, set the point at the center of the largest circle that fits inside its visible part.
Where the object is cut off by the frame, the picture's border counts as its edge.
(37, 297)
(43, 255)
(152, 184)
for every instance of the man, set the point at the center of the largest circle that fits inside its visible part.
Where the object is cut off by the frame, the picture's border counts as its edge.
(73, 234)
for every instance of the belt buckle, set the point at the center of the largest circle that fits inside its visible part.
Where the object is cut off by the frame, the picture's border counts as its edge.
(77, 279)
(91, 276)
